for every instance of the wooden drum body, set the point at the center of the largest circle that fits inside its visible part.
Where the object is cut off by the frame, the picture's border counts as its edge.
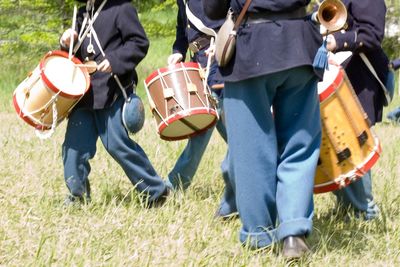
(349, 148)
(180, 101)
(51, 90)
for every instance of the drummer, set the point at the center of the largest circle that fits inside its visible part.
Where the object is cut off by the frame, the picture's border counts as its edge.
(272, 157)
(363, 35)
(118, 42)
(197, 40)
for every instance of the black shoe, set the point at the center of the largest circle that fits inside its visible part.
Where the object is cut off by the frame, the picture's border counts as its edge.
(71, 200)
(160, 201)
(294, 247)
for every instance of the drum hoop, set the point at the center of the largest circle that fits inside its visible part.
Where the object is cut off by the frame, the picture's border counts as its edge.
(358, 171)
(333, 86)
(51, 86)
(171, 69)
(26, 118)
(169, 120)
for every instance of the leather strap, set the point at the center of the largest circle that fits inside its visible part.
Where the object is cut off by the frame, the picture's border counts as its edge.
(241, 15)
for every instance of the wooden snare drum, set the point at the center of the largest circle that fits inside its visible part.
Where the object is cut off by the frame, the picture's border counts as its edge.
(180, 101)
(349, 148)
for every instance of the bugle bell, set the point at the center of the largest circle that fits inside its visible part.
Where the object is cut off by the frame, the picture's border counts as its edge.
(331, 14)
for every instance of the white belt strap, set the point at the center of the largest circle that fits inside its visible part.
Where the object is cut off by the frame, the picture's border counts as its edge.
(96, 39)
(371, 68)
(90, 26)
(198, 23)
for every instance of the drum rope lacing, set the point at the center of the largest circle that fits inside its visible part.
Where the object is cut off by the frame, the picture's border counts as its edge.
(44, 135)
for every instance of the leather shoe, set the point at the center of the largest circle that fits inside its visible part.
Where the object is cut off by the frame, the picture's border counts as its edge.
(294, 247)
(160, 201)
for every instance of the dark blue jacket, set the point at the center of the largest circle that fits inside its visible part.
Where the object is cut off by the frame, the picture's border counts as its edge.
(125, 44)
(186, 32)
(268, 47)
(365, 32)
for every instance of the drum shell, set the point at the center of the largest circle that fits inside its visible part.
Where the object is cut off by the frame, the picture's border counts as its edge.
(178, 96)
(345, 132)
(33, 99)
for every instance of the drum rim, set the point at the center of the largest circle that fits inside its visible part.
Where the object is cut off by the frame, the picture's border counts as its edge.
(171, 68)
(362, 168)
(164, 123)
(51, 86)
(333, 86)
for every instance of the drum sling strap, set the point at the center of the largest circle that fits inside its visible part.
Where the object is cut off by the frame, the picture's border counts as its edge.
(388, 94)
(206, 30)
(96, 39)
(85, 31)
(198, 23)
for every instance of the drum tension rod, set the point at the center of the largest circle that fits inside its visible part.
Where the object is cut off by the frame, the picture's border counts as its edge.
(343, 155)
(362, 138)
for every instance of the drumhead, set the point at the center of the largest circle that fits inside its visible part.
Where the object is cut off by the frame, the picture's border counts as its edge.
(62, 76)
(171, 68)
(179, 126)
(333, 77)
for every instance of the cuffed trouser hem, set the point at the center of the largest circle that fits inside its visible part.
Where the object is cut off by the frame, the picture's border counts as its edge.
(295, 227)
(257, 240)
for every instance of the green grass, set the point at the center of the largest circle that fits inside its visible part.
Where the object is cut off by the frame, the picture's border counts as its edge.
(116, 230)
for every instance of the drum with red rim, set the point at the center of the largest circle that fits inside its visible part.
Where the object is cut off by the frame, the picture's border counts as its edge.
(53, 87)
(180, 101)
(349, 148)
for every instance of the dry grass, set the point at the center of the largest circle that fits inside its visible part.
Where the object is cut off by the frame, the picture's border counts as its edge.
(115, 230)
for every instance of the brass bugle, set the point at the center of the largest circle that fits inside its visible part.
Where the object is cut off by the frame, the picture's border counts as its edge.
(332, 14)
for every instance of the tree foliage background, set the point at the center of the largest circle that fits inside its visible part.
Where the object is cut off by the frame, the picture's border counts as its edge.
(34, 26)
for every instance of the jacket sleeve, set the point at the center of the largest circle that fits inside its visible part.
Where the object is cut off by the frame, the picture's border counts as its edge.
(216, 9)
(181, 41)
(134, 41)
(366, 26)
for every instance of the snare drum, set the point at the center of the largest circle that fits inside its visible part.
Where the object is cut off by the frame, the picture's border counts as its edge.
(51, 90)
(180, 101)
(349, 148)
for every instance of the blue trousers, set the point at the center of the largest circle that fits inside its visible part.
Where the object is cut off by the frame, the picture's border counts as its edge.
(188, 162)
(358, 196)
(83, 129)
(182, 174)
(273, 157)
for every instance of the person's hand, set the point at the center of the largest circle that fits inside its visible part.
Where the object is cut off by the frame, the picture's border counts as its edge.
(175, 58)
(66, 37)
(104, 66)
(330, 42)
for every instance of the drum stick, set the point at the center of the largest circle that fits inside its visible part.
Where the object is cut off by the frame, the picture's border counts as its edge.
(71, 43)
(91, 66)
(85, 65)
(210, 57)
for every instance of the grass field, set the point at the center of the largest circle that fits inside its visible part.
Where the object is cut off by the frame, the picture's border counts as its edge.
(116, 230)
